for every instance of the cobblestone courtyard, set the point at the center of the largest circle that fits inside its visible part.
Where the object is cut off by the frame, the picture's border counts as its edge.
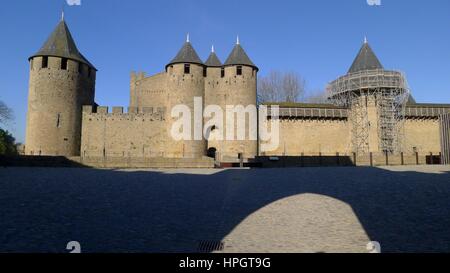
(406, 209)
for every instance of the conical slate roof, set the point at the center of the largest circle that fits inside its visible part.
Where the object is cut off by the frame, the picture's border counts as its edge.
(61, 44)
(366, 60)
(239, 57)
(187, 54)
(213, 60)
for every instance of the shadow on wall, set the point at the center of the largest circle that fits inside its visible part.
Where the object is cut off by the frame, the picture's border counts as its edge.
(41, 209)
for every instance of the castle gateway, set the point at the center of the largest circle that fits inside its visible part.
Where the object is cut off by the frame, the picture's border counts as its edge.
(371, 113)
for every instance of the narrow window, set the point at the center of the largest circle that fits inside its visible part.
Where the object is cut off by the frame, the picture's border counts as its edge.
(239, 70)
(32, 64)
(58, 121)
(187, 69)
(222, 72)
(89, 72)
(44, 62)
(205, 72)
(64, 62)
(80, 68)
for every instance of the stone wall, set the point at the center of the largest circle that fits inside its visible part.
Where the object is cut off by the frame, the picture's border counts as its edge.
(148, 91)
(138, 133)
(422, 136)
(148, 162)
(313, 137)
(327, 137)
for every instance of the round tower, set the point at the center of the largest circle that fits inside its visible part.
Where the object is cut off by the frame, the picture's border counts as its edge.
(62, 80)
(186, 81)
(238, 88)
(376, 99)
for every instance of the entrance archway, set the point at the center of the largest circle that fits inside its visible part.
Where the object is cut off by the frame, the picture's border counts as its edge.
(212, 152)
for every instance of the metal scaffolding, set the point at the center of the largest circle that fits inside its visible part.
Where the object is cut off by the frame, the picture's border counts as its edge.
(388, 92)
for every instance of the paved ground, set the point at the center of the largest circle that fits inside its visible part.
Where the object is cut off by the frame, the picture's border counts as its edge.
(406, 209)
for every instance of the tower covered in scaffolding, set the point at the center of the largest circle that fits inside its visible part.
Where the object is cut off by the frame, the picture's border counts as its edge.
(376, 99)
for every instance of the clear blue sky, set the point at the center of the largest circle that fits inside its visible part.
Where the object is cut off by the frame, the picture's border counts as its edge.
(316, 38)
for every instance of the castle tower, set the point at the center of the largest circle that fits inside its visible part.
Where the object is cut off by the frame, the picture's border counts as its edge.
(213, 96)
(365, 60)
(62, 80)
(186, 81)
(238, 88)
(376, 98)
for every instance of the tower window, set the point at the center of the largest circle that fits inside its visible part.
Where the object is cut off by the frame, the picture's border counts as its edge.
(44, 62)
(80, 68)
(205, 72)
(32, 64)
(239, 70)
(187, 69)
(89, 72)
(64, 62)
(222, 72)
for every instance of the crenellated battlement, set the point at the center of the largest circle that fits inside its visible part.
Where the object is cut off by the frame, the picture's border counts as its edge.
(150, 113)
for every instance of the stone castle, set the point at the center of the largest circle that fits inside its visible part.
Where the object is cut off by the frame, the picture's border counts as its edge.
(64, 119)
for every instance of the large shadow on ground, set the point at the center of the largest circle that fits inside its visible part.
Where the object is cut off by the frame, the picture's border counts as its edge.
(149, 211)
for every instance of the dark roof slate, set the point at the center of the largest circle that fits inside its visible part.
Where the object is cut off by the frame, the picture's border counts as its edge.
(213, 60)
(61, 44)
(366, 60)
(187, 54)
(239, 57)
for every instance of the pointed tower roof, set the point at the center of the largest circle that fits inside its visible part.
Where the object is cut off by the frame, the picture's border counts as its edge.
(187, 54)
(239, 57)
(213, 60)
(61, 44)
(366, 60)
